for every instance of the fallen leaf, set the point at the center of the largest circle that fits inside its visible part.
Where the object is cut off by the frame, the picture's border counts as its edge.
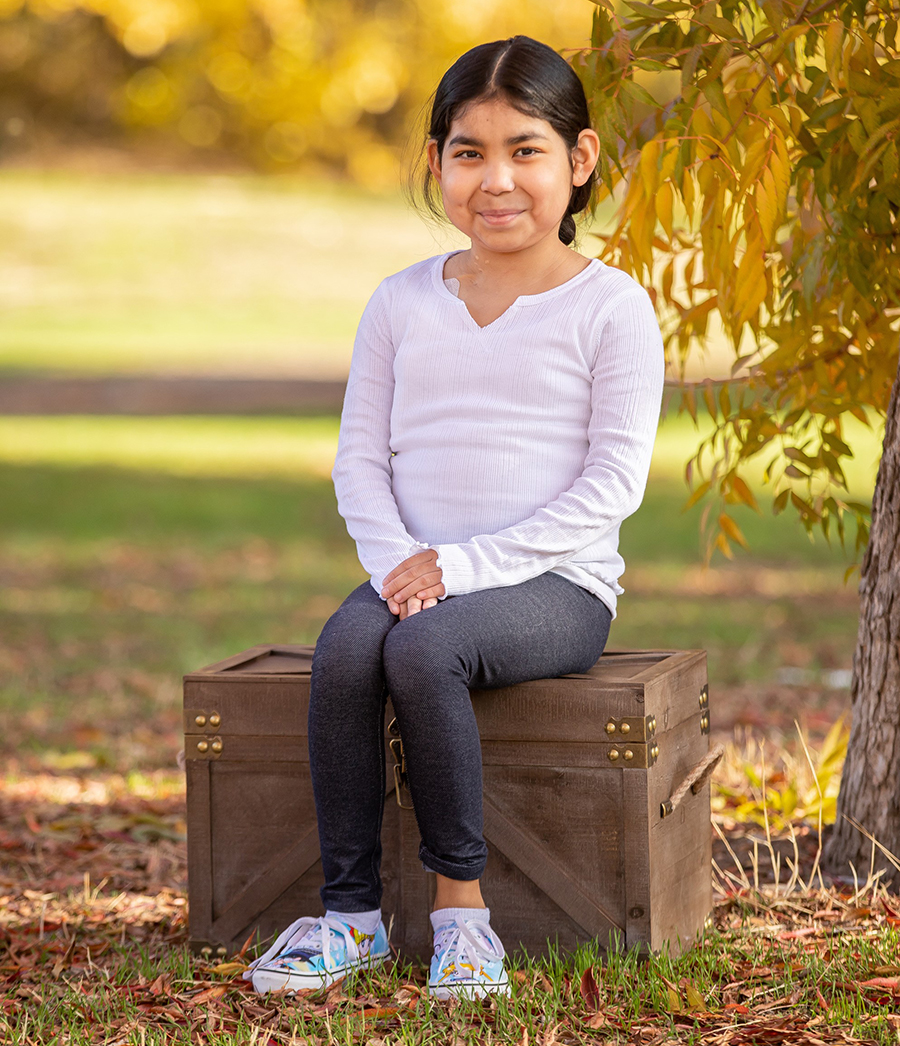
(208, 995)
(597, 1021)
(590, 992)
(229, 967)
(161, 985)
(695, 1000)
(881, 982)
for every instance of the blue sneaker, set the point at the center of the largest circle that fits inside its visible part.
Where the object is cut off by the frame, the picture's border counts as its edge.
(468, 962)
(314, 953)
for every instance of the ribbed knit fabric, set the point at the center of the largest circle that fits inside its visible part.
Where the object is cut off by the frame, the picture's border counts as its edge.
(513, 449)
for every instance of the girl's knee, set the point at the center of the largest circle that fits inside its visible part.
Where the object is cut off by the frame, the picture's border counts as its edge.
(420, 653)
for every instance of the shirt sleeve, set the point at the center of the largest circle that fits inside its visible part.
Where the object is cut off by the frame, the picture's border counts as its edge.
(362, 467)
(626, 392)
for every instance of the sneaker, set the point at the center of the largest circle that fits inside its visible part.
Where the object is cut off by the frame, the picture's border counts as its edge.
(314, 953)
(468, 962)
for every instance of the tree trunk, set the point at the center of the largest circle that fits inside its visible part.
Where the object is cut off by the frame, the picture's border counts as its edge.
(870, 786)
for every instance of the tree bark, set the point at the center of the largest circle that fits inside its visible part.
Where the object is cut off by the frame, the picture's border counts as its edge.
(870, 786)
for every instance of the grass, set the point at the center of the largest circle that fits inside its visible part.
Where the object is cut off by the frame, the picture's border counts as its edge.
(242, 274)
(764, 974)
(133, 550)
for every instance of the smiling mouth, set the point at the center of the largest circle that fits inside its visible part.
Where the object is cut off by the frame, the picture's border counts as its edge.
(499, 217)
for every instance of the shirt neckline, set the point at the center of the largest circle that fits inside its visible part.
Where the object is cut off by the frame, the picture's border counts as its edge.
(523, 299)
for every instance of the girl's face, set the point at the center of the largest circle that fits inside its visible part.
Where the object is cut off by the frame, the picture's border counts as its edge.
(506, 177)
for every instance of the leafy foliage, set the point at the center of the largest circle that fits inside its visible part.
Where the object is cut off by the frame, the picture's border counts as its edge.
(759, 185)
(277, 82)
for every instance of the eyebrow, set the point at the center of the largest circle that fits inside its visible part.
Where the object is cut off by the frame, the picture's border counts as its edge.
(462, 139)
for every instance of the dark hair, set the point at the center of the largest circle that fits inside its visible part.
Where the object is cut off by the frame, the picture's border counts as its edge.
(534, 79)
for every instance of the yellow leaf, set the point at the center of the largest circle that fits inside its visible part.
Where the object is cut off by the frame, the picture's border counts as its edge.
(767, 206)
(751, 287)
(696, 495)
(834, 38)
(674, 1003)
(667, 166)
(723, 546)
(649, 168)
(664, 207)
(753, 159)
(743, 492)
(728, 525)
(781, 173)
(229, 967)
(695, 1000)
(687, 194)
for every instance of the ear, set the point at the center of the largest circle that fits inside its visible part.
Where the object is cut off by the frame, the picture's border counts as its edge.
(434, 159)
(585, 156)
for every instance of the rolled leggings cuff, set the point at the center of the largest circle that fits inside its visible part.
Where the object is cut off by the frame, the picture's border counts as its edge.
(465, 871)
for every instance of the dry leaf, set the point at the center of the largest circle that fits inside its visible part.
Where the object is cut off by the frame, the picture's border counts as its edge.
(229, 967)
(208, 995)
(695, 1000)
(590, 992)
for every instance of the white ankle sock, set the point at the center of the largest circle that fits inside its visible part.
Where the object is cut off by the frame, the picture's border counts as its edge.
(366, 922)
(442, 916)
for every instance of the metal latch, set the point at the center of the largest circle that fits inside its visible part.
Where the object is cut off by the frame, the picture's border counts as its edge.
(399, 764)
(635, 756)
(634, 729)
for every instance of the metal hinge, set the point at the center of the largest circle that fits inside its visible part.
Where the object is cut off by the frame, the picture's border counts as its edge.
(633, 756)
(704, 709)
(634, 729)
(202, 747)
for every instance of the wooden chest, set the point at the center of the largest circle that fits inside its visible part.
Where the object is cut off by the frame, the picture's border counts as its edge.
(577, 774)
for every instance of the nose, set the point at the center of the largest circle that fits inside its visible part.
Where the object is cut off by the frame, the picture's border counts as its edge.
(498, 177)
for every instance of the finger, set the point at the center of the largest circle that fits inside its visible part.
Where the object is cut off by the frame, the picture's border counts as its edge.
(393, 606)
(413, 605)
(418, 575)
(429, 593)
(416, 585)
(426, 555)
(427, 604)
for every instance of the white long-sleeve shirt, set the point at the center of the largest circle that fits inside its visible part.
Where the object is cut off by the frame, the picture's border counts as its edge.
(512, 449)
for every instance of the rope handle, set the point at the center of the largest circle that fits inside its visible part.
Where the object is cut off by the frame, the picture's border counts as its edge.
(694, 781)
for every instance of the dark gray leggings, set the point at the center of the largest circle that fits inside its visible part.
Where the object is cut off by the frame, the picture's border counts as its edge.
(542, 628)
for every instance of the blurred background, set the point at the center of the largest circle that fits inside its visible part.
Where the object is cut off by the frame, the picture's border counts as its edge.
(197, 197)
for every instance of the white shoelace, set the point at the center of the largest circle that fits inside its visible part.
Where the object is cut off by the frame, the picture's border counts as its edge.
(313, 932)
(466, 946)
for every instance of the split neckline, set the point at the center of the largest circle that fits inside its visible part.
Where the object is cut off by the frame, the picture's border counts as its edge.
(521, 300)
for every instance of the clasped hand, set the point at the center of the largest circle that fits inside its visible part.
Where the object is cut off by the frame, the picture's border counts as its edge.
(414, 585)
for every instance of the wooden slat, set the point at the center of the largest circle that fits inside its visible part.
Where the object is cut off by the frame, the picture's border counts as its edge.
(271, 882)
(546, 872)
(246, 657)
(199, 847)
(680, 846)
(555, 711)
(592, 755)
(636, 847)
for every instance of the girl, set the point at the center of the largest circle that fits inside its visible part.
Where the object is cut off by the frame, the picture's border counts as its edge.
(497, 428)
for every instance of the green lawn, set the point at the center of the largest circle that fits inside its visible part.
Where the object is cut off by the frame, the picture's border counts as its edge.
(133, 550)
(146, 547)
(217, 273)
